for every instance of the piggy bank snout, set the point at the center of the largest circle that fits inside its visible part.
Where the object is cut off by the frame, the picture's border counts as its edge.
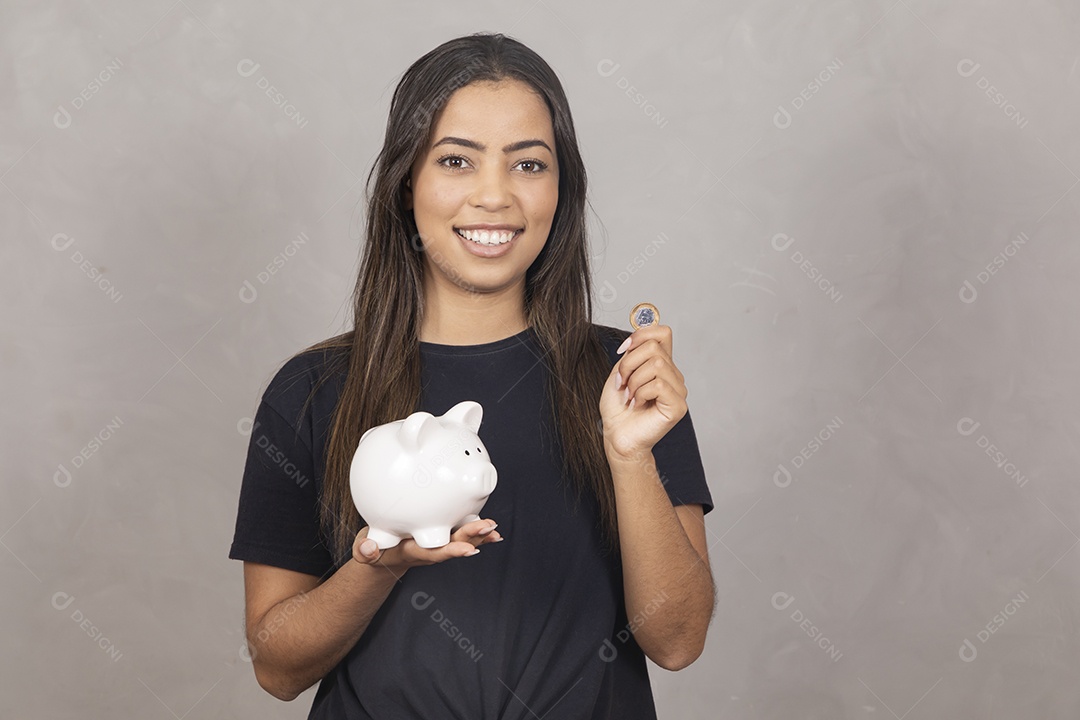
(487, 480)
(481, 482)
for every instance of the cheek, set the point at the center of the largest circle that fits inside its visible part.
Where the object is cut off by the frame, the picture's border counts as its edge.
(543, 202)
(437, 200)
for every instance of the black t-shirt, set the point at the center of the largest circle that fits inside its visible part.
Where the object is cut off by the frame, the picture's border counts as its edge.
(534, 626)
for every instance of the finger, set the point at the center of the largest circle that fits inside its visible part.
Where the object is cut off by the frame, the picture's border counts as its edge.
(465, 539)
(410, 553)
(667, 399)
(661, 334)
(475, 529)
(364, 548)
(641, 353)
(491, 537)
(656, 367)
(454, 549)
(485, 534)
(614, 380)
(370, 549)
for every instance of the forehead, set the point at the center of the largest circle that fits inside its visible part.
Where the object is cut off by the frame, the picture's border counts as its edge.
(507, 109)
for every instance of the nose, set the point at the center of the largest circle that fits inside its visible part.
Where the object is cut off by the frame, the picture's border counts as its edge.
(489, 477)
(492, 191)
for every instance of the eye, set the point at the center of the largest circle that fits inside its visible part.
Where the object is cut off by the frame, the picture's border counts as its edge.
(466, 452)
(444, 158)
(479, 450)
(540, 166)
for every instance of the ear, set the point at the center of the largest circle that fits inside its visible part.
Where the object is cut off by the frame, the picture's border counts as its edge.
(408, 194)
(466, 412)
(417, 429)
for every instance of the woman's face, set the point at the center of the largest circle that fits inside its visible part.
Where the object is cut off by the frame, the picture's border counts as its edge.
(491, 162)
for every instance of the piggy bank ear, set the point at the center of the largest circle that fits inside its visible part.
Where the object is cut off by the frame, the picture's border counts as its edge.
(466, 412)
(416, 430)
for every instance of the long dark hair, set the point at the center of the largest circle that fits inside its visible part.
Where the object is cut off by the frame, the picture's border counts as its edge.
(382, 364)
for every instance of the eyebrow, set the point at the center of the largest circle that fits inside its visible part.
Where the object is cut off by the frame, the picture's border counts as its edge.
(512, 147)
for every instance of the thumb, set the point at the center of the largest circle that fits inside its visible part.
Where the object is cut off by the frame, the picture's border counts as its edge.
(369, 549)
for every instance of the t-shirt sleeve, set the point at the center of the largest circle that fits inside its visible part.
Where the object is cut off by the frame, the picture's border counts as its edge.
(277, 522)
(678, 463)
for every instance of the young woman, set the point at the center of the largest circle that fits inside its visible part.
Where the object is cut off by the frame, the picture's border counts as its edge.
(475, 284)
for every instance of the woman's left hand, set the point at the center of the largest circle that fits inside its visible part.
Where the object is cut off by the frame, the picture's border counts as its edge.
(656, 389)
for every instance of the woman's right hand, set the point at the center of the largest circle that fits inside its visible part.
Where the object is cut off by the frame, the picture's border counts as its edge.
(407, 553)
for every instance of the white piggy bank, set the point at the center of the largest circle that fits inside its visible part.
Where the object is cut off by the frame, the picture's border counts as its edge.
(422, 477)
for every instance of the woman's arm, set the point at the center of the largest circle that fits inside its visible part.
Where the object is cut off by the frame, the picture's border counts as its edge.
(667, 580)
(299, 629)
(666, 576)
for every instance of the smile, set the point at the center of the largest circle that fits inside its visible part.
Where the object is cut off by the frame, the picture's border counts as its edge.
(488, 237)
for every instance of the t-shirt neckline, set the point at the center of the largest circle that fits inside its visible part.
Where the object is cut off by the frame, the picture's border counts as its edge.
(482, 349)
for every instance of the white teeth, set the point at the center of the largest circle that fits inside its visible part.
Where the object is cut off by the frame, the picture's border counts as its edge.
(486, 237)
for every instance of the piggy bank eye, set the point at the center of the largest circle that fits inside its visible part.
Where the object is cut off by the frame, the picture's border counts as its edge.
(466, 452)
(479, 450)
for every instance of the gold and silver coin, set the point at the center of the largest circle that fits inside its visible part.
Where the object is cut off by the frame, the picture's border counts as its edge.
(643, 315)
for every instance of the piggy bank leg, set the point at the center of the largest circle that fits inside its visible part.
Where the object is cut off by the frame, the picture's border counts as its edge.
(384, 538)
(466, 519)
(432, 537)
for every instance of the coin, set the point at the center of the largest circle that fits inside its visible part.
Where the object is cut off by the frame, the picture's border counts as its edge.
(643, 315)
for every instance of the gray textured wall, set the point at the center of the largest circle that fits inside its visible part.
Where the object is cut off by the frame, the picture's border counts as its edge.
(858, 217)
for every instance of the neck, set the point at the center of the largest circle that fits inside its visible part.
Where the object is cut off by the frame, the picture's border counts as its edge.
(454, 316)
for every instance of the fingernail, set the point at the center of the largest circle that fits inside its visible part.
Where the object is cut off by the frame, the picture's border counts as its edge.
(624, 346)
(499, 540)
(470, 554)
(618, 379)
(626, 394)
(368, 547)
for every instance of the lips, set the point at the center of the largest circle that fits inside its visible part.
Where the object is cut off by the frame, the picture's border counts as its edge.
(488, 237)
